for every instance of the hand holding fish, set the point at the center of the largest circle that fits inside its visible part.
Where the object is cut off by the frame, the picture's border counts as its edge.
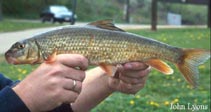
(51, 85)
(97, 86)
(131, 78)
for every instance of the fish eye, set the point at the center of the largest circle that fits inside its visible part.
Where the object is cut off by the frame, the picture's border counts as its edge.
(19, 45)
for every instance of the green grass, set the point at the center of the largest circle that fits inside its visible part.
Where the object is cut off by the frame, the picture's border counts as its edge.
(160, 90)
(11, 25)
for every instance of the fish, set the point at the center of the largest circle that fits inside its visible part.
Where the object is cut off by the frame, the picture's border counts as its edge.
(107, 46)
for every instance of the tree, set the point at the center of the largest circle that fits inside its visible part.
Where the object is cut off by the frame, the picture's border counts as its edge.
(154, 15)
(127, 16)
(1, 17)
(74, 3)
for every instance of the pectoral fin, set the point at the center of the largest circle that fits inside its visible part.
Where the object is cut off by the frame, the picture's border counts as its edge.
(160, 66)
(49, 58)
(109, 69)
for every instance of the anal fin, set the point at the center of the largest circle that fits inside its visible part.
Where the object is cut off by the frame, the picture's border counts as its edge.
(160, 66)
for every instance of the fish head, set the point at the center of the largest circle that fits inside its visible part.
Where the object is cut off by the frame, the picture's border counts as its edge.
(23, 52)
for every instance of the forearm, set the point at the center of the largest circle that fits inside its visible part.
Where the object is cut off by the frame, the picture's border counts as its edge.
(95, 89)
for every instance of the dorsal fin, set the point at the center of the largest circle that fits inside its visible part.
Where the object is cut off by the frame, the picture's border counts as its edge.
(105, 24)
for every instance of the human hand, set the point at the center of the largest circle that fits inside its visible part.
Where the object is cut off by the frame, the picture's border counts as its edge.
(51, 85)
(131, 78)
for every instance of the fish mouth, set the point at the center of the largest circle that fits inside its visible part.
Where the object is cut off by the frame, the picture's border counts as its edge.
(10, 59)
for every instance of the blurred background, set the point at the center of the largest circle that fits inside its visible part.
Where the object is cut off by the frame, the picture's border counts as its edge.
(130, 11)
(182, 23)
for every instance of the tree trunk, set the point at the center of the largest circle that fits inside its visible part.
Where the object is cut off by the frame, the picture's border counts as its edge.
(127, 16)
(45, 3)
(208, 19)
(154, 15)
(74, 5)
(1, 15)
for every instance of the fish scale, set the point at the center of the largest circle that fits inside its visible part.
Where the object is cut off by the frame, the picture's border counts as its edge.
(92, 47)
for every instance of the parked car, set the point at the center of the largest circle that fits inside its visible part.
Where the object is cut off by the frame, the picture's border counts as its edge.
(57, 13)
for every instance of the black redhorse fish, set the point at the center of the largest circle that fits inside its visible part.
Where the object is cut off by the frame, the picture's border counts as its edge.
(105, 45)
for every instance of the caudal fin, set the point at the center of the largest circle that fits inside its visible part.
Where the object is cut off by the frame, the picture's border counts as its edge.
(189, 63)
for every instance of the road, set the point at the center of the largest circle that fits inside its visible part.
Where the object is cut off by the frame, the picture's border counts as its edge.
(9, 38)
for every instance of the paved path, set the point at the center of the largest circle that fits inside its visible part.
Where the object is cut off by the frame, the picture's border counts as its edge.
(9, 38)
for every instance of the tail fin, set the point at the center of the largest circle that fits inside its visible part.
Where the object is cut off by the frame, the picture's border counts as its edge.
(189, 63)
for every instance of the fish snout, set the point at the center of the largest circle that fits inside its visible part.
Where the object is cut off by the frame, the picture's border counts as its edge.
(9, 57)
(8, 54)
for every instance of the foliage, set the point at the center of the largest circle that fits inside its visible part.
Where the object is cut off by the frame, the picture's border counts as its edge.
(189, 15)
(89, 10)
(92, 10)
(161, 90)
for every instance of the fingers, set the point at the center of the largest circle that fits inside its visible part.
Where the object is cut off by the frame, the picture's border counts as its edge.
(134, 77)
(73, 60)
(121, 86)
(69, 64)
(129, 88)
(74, 74)
(69, 96)
(135, 66)
(66, 67)
(71, 90)
(133, 89)
(130, 80)
(113, 83)
(135, 69)
(69, 84)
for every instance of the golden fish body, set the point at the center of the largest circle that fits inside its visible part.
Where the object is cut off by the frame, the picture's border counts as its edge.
(104, 44)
